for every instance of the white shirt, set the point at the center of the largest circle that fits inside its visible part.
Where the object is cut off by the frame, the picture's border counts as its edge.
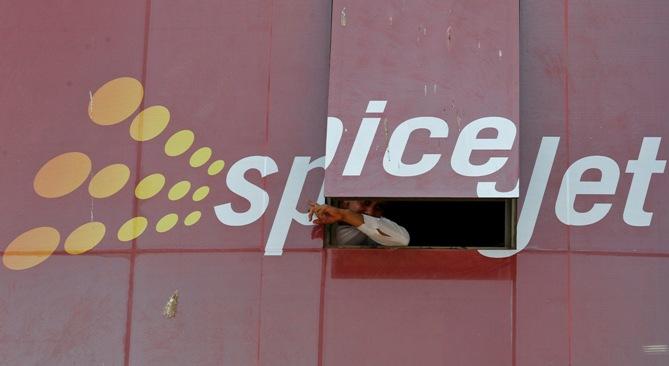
(371, 230)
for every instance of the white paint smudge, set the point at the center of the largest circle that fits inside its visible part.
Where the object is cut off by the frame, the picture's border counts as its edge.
(90, 103)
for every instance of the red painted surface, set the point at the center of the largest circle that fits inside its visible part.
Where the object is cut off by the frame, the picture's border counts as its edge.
(251, 78)
(417, 264)
(457, 61)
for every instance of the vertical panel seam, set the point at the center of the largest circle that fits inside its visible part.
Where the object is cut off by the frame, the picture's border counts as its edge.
(135, 208)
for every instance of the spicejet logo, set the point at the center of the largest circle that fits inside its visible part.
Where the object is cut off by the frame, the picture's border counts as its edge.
(111, 104)
(118, 99)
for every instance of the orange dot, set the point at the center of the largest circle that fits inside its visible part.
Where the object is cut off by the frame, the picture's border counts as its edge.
(85, 237)
(108, 181)
(149, 123)
(115, 101)
(62, 175)
(31, 248)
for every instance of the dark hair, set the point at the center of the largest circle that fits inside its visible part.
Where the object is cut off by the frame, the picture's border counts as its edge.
(380, 207)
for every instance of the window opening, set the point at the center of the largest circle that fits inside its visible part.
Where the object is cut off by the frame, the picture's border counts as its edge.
(481, 223)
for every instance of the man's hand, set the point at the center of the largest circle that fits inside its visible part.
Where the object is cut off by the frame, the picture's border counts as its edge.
(325, 214)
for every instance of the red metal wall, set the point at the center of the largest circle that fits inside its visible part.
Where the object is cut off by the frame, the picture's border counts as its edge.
(250, 78)
(441, 68)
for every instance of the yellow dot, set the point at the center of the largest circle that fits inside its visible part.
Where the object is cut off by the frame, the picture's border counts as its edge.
(179, 190)
(115, 101)
(167, 222)
(216, 167)
(62, 175)
(31, 248)
(200, 157)
(132, 228)
(179, 143)
(108, 181)
(149, 186)
(85, 237)
(192, 218)
(149, 123)
(200, 193)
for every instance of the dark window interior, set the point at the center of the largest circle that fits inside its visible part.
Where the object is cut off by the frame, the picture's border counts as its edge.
(478, 223)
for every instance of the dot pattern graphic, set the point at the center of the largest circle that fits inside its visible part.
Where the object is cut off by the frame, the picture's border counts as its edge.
(112, 103)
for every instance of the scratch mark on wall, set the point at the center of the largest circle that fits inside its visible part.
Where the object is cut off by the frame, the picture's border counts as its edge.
(90, 103)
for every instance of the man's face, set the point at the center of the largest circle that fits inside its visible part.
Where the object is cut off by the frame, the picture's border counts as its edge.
(367, 207)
